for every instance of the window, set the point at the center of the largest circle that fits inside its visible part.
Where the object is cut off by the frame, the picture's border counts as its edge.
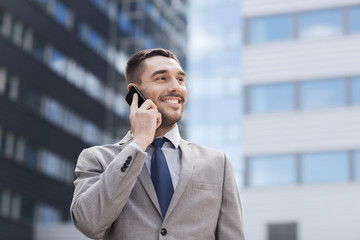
(357, 165)
(9, 85)
(321, 23)
(95, 40)
(51, 164)
(355, 88)
(271, 98)
(43, 3)
(283, 231)
(48, 214)
(62, 14)
(272, 170)
(34, 100)
(53, 111)
(9, 205)
(75, 74)
(354, 21)
(93, 86)
(72, 122)
(27, 210)
(17, 32)
(322, 94)
(270, 28)
(90, 133)
(9, 144)
(325, 167)
(58, 62)
(31, 155)
(38, 48)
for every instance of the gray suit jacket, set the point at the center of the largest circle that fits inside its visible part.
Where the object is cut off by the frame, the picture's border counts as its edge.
(116, 202)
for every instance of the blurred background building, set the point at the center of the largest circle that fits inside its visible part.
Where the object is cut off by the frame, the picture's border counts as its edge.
(62, 89)
(301, 131)
(214, 109)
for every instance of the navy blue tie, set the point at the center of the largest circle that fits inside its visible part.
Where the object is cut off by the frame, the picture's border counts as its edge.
(160, 176)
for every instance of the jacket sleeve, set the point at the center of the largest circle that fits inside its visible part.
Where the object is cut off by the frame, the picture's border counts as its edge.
(230, 223)
(100, 194)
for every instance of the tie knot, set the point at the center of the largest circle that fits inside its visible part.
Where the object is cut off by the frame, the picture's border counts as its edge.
(158, 142)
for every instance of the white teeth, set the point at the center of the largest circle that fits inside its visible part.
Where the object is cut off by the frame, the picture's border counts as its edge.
(172, 101)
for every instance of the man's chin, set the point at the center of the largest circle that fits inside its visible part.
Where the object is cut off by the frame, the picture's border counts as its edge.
(168, 121)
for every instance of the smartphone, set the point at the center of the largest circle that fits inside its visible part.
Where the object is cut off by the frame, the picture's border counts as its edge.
(130, 94)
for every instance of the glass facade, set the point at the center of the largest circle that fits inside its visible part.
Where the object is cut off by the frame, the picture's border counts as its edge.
(271, 98)
(323, 23)
(357, 165)
(354, 23)
(355, 90)
(272, 170)
(305, 168)
(303, 95)
(325, 167)
(270, 28)
(322, 94)
(303, 25)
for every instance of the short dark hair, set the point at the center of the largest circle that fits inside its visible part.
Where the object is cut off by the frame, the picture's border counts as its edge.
(134, 63)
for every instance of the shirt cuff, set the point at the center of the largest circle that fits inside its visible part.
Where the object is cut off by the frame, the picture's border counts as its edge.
(136, 146)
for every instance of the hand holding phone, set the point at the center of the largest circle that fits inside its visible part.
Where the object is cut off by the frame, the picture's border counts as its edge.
(129, 96)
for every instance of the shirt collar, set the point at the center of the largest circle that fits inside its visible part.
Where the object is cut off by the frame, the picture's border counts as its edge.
(173, 136)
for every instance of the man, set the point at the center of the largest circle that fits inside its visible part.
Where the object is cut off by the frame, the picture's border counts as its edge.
(116, 195)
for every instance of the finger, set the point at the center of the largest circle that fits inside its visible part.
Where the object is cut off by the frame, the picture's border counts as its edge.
(148, 104)
(134, 103)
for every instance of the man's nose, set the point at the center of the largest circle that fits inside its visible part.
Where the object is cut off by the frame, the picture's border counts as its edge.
(174, 85)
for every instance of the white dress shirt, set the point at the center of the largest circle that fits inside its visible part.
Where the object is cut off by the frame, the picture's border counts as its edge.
(172, 154)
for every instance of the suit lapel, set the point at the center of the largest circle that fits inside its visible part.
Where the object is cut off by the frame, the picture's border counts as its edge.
(145, 180)
(187, 165)
(144, 176)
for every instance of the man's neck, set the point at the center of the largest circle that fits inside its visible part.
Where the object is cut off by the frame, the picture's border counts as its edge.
(160, 131)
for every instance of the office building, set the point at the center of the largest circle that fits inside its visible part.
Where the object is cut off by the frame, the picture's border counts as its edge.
(214, 106)
(62, 89)
(301, 132)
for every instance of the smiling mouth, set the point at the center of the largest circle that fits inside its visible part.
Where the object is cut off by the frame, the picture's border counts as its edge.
(172, 101)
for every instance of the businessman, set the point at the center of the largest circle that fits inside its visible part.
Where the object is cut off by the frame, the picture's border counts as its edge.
(153, 184)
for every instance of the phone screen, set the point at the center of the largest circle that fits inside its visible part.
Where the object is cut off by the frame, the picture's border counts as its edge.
(130, 94)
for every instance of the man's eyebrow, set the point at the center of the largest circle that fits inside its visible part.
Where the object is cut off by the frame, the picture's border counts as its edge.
(166, 71)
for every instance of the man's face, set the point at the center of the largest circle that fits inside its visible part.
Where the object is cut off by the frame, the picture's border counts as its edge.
(163, 81)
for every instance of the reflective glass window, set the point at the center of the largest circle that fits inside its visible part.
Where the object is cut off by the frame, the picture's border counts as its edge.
(61, 13)
(270, 28)
(272, 170)
(90, 132)
(322, 23)
(354, 21)
(355, 89)
(43, 3)
(58, 62)
(38, 48)
(357, 165)
(31, 155)
(325, 167)
(51, 164)
(95, 40)
(27, 210)
(33, 100)
(72, 122)
(322, 93)
(54, 111)
(48, 214)
(271, 98)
